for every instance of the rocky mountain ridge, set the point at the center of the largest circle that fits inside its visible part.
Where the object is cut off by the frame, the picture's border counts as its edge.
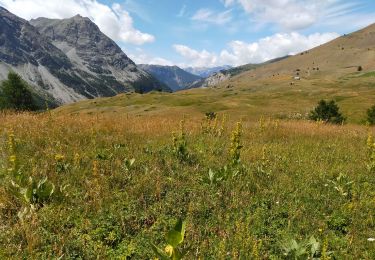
(68, 60)
(173, 76)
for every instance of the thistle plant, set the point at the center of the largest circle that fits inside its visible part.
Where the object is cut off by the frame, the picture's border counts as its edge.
(371, 154)
(32, 192)
(76, 160)
(61, 165)
(12, 160)
(95, 166)
(94, 188)
(231, 169)
(256, 248)
(174, 238)
(206, 125)
(221, 130)
(263, 165)
(235, 146)
(261, 124)
(212, 126)
(325, 253)
(15, 172)
(180, 143)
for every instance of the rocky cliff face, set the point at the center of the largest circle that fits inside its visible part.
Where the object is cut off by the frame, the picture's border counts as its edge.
(96, 54)
(173, 76)
(68, 60)
(24, 50)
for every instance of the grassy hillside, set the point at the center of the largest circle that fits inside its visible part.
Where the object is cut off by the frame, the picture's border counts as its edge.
(294, 180)
(332, 60)
(275, 98)
(247, 67)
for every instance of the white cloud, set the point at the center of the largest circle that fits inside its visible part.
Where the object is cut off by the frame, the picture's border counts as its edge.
(293, 14)
(277, 45)
(209, 16)
(114, 21)
(196, 58)
(240, 53)
(141, 57)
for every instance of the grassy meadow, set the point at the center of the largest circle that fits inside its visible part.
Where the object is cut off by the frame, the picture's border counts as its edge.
(243, 97)
(261, 189)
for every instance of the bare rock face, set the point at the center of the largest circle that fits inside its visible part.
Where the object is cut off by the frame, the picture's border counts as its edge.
(68, 60)
(21, 43)
(92, 51)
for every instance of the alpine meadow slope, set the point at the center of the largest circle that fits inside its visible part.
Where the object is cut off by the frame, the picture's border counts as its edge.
(266, 161)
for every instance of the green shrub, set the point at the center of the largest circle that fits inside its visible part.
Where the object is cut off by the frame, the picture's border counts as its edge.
(211, 115)
(327, 112)
(371, 115)
(16, 94)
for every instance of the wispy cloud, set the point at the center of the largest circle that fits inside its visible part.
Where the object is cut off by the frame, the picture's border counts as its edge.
(294, 14)
(209, 16)
(135, 8)
(182, 12)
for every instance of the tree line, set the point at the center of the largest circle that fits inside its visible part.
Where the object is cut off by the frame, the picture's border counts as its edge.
(16, 95)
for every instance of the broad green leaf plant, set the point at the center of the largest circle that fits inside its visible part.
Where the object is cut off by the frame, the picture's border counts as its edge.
(174, 238)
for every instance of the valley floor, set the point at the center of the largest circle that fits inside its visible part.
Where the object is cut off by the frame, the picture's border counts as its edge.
(295, 180)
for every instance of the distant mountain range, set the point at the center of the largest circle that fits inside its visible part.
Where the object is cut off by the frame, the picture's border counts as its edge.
(173, 76)
(179, 79)
(224, 75)
(205, 72)
(68, 60)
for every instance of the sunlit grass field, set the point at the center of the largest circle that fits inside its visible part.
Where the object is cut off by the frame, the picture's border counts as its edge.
(295, 180)
(244, 98)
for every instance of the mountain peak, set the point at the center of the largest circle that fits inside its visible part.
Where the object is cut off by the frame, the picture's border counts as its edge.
(79, 17)
(68, 59)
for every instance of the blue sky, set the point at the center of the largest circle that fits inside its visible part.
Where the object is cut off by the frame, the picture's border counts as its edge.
(210, 32)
